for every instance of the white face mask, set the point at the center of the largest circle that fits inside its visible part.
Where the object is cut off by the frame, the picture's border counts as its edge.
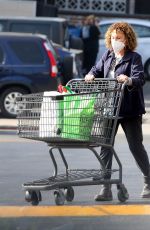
(117, 46)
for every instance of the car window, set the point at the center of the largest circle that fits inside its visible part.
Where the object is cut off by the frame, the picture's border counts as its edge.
(1, 55)
(32, 28)
(28, 52)
(141, 31)
(103, 29)
(1, 27)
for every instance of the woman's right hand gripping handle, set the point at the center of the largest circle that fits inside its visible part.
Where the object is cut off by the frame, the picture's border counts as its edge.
(89, 77)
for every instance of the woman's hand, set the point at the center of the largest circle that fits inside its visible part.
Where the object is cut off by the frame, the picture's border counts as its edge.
(122, 78)
(89, 77)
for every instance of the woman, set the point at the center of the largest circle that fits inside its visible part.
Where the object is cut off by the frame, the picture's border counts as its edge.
(121, 62)
(90, 35)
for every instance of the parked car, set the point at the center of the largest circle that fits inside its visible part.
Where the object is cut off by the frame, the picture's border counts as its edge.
(28, 64)
(142, 29)
(55, 28)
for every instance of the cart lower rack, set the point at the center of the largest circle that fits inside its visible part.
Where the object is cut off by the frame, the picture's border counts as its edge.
(85, 119)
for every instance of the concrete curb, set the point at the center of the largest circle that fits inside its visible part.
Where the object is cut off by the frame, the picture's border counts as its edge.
(11, 124)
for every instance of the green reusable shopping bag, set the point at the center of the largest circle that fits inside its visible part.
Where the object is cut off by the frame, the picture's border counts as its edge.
(78, 117)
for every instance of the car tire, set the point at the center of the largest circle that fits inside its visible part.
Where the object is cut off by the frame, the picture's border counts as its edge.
(147, 70)
(8, 104)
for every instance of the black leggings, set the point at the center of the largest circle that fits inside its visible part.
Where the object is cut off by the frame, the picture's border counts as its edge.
(132, 128)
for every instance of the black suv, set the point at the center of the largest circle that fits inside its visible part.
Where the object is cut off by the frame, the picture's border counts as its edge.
(27, 65)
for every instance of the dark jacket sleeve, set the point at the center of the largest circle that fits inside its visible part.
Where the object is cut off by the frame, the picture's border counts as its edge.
(133, 100)
(137, 71)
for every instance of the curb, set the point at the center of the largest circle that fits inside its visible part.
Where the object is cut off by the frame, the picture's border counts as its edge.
(8, 124)
(11, 124)
(8, 128)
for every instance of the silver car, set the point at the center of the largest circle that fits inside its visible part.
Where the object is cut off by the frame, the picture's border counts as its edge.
(142, 29)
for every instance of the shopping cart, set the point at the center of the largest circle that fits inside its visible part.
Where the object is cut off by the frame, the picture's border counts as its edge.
(86, 119)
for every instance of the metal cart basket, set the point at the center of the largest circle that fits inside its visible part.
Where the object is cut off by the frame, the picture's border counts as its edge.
(85, 119)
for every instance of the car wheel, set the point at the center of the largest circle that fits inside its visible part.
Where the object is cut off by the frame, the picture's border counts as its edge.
(8, 104)
(147, 70)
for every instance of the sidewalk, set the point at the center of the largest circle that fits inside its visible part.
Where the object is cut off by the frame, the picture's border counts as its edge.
(6, 124)
(11, 124)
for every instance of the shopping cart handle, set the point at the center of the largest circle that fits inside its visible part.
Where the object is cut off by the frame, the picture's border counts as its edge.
(125, 83)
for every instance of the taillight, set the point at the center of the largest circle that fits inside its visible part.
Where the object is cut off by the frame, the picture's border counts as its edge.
(54, 69)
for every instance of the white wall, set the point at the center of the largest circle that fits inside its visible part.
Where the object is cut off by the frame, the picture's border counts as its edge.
(17, 8)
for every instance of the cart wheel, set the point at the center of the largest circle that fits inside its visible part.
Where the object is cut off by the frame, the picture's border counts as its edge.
(122, 193)
(40, 196)
(35, 198)
(28, 196)
(59, 197)
(69, 194)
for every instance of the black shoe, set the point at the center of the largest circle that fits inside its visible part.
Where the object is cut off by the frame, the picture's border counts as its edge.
(105, 194)
(146, 191)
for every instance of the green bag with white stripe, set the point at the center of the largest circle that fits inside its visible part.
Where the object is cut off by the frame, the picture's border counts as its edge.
(78, 117)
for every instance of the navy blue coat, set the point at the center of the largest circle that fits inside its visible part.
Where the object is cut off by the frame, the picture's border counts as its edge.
(130, 65)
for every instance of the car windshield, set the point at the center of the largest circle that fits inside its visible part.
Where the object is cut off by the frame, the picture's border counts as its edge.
(140, 30)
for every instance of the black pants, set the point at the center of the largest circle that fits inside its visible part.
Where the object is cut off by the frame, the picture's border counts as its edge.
(132, 128)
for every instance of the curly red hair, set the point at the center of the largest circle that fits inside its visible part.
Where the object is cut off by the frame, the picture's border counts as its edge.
(127, 30)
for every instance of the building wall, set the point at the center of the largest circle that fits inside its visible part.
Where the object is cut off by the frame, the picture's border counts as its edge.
(132, 8)
(17, 8)
(92, 6)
